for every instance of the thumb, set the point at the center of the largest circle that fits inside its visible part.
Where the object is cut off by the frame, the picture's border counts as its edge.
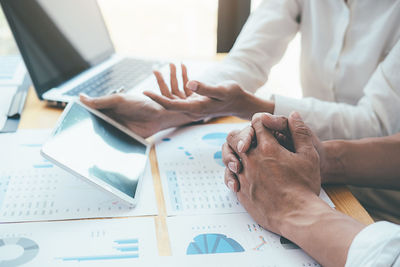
(263, 135)
(301, 134)
(200, 88)
(103, 102)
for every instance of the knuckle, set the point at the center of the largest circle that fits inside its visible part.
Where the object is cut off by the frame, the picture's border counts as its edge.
(233, 86)
(257, 118)
(224, 90)
(302, 129)
(284, 121)
(232, 136)
(237, 90)
(226, 153)
(264, 147)
(248, 133)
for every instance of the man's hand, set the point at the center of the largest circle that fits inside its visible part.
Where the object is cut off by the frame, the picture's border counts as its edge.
(275, 181)
(199, 101)
(279, 127)
(139, 114)
(279, 189)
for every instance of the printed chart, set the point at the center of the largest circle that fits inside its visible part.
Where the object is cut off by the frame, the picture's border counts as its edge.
(212, 244)
(33, 189)
(192, 171)
(35, 244)
(233, 234)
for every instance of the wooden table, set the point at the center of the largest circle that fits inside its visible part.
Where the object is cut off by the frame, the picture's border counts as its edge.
(38, 115)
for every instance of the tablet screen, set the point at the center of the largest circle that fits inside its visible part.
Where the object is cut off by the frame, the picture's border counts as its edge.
(94, 148)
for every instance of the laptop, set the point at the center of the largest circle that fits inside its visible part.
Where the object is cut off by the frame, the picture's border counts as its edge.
(67, 50)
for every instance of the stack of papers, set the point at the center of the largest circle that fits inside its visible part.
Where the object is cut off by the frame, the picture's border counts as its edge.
(207, 226)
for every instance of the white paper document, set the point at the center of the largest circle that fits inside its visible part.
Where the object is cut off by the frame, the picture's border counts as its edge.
(73, 243)
(192, 171)
(33, 189)
(233, 234)
(249, 259)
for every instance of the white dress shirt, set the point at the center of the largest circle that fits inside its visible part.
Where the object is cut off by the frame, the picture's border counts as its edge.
(350, 62)
(376, 245)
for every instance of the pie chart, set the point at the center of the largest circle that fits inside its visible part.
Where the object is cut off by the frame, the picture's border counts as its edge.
(212, 244)
(30, 250)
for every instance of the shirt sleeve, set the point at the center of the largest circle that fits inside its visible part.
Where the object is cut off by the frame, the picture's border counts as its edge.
(376, 245)
(261, 44)
(376, 113)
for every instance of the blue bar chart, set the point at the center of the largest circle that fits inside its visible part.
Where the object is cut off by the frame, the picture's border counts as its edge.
(127, 248)
(105, 241)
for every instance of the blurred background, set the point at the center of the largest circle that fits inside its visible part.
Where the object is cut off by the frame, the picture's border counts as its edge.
(182, 30)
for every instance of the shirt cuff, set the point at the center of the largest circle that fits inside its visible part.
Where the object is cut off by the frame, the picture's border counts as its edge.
(374, 246)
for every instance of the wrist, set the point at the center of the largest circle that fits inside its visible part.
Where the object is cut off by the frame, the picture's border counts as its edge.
(308, 210)
(253, 105)
(168, 119)
(333, 167)
(324, 233)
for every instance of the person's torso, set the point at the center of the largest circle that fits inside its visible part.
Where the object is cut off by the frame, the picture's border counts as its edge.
(342, 45)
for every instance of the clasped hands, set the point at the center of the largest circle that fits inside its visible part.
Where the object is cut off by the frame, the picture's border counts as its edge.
(273, 166)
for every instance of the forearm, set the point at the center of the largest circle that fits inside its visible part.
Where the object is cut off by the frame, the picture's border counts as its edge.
(366, 162)
(252, 104)
(169, 119)
(322, 232)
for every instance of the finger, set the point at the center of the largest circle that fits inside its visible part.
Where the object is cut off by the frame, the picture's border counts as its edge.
(174, 81)
(264, 136)
(185, 80)
(285, 140)
(301, 134)
(161, 83)
(280, 128)
(247, 137)
(168, 103)
(276, 123)
(231, 181)
(104, 102)
(217, 92)
(241, 141)
(230, 159)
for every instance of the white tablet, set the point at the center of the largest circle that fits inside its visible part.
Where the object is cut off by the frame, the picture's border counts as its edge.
(99, 150)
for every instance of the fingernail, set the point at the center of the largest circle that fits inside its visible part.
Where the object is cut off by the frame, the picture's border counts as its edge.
(231, 186)
(232, 166)
(295, 115)
(192, 85)
(240, 146)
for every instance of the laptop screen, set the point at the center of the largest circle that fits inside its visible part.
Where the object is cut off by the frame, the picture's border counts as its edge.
(58, 39)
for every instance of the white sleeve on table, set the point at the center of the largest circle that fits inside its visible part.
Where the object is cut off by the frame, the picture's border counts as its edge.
(376, 245)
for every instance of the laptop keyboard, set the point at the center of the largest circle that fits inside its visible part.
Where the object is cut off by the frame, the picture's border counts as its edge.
(127, 73)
